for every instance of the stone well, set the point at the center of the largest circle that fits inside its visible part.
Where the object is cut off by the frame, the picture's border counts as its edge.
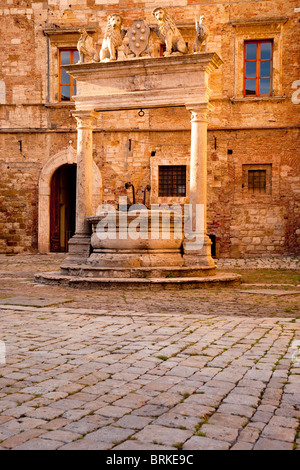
(140, 83)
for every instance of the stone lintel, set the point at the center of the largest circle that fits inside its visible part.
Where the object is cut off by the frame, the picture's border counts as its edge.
(144, 82)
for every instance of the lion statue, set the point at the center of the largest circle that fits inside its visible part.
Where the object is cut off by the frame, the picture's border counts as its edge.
(86, 48)
(168, 33)
(113, 38)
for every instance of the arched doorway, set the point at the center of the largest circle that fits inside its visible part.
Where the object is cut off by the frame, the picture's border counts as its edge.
(62, 207)
(67, 156)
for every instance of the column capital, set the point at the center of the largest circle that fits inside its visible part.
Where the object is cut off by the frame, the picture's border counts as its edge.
(85, 119)
(199, 111)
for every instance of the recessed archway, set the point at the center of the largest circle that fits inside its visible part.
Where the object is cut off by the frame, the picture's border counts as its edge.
(65, 157)
(62, 207)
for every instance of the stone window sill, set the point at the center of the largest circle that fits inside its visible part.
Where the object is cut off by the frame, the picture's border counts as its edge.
(66, 104)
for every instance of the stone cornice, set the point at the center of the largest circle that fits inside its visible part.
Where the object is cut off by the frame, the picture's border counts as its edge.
(54, 31)
(258, 22)
(205, 61)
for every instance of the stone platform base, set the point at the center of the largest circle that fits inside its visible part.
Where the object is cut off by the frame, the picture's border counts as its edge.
(151, 283)
(144, 272)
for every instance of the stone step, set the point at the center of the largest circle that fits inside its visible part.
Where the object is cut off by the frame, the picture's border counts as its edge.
(139, 272)
(219, 280)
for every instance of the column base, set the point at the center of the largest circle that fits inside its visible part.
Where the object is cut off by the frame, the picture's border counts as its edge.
(79, 249)
(197, 253)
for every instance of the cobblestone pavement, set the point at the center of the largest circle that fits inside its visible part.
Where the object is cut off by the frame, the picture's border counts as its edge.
(75, 374)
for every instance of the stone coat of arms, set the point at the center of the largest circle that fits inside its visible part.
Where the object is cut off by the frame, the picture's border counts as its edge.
(138, 36)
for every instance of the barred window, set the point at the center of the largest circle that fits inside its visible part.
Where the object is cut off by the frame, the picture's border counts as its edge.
(172, 181)
(257, 181)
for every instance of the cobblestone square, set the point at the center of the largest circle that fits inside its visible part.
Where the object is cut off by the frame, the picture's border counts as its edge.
(201, 369)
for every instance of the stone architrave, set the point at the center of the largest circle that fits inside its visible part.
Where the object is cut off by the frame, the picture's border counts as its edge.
(138, 35)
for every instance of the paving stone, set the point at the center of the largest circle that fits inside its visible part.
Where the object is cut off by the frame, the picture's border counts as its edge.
(151, 410)
(88, 424)
(279, 433)
(85, 444)
(271, 444)
(175, 420)
(39, 444)
(110, 434)
(262, 416)
(138, 445)
(18, 411)
(242, 446)
(181, 371)
(257, 374)
(167, 399)
(231, 374)
(192, 409)
(227, 420)
(203, 399)
(54, 424)
(32, 301)
(204, 443)
(249, 434)
(67, 404)
(22, 424)
(222, 433)
(133, 422)
(162, 384)
(270, 292)
(237, 399)
(75, 415)
(284, 422)
(61, 435)
(21, 438)
(133, 400)
(113, 411)
(45, 412)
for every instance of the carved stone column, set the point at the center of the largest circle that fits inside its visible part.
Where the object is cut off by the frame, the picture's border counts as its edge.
(197, 245)
(79, 245)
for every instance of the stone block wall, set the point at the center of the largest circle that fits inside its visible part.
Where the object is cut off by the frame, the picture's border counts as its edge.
(34, 126)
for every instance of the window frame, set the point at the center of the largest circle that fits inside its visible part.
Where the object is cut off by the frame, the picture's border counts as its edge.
(60, 39)
(255, 30)
(72, 83)
(268, 169)
(258, 61)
